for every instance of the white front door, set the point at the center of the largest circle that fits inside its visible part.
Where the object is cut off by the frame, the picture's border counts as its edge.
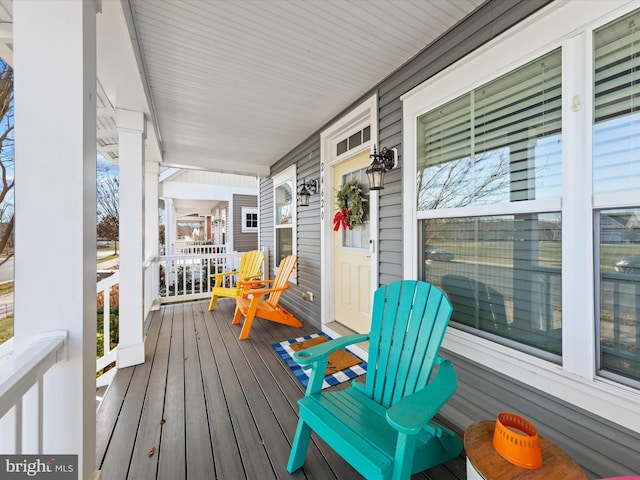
(352, 258)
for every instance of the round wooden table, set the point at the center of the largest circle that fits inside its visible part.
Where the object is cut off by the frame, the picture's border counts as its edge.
(484, 463)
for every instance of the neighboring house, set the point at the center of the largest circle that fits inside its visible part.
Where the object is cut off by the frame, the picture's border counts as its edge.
(222, 206)
(484, 105)
(619, 228)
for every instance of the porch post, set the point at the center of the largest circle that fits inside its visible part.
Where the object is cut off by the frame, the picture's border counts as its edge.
(170, 227)
(131, 134)
(151, 222)
(55, 150)
(207, 227)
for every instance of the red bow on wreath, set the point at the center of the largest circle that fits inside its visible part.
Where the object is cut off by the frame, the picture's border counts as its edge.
(340, 219)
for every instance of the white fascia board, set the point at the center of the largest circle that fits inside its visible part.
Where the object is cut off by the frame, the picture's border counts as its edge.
(201, 191)
(202, 162)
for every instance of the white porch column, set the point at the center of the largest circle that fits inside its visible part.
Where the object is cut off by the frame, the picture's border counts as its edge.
(151, 221)
(55, 149)
(131, 134)
(170, 227)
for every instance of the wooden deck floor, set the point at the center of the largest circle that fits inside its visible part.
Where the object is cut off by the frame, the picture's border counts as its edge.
(206, 405)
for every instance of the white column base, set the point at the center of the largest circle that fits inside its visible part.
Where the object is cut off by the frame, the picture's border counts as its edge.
(472, 473)
(129, 355)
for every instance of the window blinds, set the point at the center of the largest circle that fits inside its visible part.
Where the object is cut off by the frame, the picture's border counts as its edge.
(616, 130)
(486, 146)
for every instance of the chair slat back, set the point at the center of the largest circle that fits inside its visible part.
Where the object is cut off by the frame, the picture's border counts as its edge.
(409, 320)
(287, 264)
(250, 265)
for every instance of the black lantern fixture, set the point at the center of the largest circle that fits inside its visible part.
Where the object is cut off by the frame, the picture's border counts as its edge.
(307, 189)
(380, 164)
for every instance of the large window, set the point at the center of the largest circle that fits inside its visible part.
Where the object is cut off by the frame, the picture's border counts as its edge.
(498, 147)
(616, 179)
(284, 195)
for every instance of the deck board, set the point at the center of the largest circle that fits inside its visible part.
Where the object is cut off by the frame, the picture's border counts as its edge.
(225, 449)
(144, 458)
(172, 454)
(230, 406)
(199, 451)
(119, 452)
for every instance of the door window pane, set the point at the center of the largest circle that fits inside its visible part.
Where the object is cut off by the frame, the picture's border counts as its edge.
(502, 275)
(359, 236)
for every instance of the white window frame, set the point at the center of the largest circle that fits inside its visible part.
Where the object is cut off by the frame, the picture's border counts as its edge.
(279, 179)
(248, 211)
(570, 26)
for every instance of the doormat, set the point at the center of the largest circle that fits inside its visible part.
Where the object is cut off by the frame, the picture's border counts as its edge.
(343, 365)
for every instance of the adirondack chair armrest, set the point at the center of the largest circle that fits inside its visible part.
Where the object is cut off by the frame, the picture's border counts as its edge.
(218, 277)
(223, 274)
(250, 278)
(248, 283)
(322, 350)
(412, 412)
(261, 291)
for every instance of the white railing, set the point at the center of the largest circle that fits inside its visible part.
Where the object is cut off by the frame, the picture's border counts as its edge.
(151, 287)
(6, 350)
(109, 354)
(188, 277)
(17, 377)
(197, 249)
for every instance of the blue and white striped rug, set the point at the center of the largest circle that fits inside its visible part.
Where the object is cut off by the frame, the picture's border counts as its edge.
(286, 353)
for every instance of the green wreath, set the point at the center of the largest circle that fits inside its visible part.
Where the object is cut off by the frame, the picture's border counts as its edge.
(351, 204)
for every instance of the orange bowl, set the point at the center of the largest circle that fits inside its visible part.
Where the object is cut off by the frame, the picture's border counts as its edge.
(516, 440)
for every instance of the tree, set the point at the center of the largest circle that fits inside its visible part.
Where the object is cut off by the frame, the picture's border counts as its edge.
(6, 161)
(107, 199)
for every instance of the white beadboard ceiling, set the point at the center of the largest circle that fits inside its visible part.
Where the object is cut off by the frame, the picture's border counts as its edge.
(236, 84)
(233, 85)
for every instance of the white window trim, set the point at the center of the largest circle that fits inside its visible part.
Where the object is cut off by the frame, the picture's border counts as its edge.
(568, 25)
(287, 174)
(246, 211)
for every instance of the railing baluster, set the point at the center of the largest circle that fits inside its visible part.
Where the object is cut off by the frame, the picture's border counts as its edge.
(40, 416)
(106, 322)
(18, 427)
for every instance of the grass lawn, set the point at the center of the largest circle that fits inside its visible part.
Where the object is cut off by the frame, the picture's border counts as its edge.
(6, 328)
(106, 259)
(6, 288)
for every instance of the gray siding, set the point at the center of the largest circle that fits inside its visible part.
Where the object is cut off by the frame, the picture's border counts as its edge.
(306, 157)
(602, 448)
(243, 241)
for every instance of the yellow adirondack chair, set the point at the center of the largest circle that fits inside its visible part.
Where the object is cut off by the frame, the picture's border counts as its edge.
(250, 265)
(251, 303)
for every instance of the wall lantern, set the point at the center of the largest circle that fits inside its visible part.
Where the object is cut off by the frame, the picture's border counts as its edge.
(307, 189)
(381, 163)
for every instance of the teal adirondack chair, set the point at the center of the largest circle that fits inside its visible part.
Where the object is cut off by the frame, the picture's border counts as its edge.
(384, 429)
